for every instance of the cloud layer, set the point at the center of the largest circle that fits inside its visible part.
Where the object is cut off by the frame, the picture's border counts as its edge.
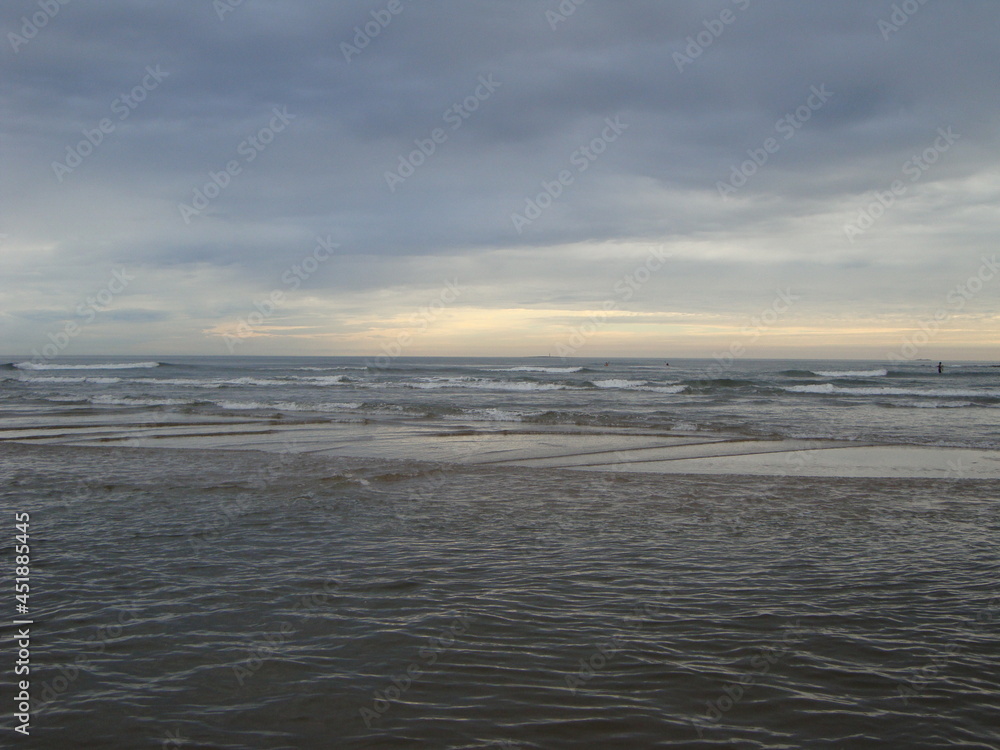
(535, 155)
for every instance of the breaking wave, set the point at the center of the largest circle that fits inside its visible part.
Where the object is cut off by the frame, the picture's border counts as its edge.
(638, 385)
(322, 380)
(664, 388)
(65, 380)
(619, 383)
(135, 401)
(880, 373)
(494, 415)
(939, 404)
(484, 384)
(111, 366)
(282, 406)
(830, 388)
(533, 368)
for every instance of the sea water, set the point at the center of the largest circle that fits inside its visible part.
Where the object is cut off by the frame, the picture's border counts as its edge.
(898, 403)
(234, 599)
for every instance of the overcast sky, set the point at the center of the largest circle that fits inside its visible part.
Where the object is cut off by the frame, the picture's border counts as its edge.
(506, 177)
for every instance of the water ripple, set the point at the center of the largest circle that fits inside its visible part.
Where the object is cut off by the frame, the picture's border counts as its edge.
(504, 609)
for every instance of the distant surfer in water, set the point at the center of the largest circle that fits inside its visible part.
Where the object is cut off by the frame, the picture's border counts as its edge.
(940, 367)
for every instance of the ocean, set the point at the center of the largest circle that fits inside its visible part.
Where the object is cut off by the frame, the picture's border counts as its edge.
(439, 553)
(905, 403)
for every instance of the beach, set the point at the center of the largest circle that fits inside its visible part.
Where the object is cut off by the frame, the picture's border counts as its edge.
(500, 376)
(471, 554)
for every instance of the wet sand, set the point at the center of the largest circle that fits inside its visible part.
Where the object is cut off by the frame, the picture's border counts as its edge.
(558, 447)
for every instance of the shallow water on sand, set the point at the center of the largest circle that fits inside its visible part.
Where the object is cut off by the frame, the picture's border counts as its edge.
(235, 599)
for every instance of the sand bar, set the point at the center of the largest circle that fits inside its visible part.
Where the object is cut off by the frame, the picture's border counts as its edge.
(536, 446)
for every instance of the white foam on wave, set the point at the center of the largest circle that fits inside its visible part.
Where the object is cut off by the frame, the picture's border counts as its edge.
(830, 388)
(639, 385)
(189, 382)
(112, 366)
(493, 415)
(134, 401)
(207, 383)
(940, 404)
(294, 380)
(665, 388)
(107, 400)
(248, 405)
(248, 381)
(323, 379)
(484, 384)
(619, 383)
(244, 381)
(327, 369)
(881, 373)
(824, 388)
(58, 379)
(534, 368)
(282, 406)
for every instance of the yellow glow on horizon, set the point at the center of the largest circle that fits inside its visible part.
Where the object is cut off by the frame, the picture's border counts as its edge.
(456, 331)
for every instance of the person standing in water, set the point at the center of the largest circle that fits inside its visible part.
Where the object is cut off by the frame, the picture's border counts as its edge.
(940, 367)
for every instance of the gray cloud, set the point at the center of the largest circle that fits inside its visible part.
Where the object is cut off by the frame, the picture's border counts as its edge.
(324, 173)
